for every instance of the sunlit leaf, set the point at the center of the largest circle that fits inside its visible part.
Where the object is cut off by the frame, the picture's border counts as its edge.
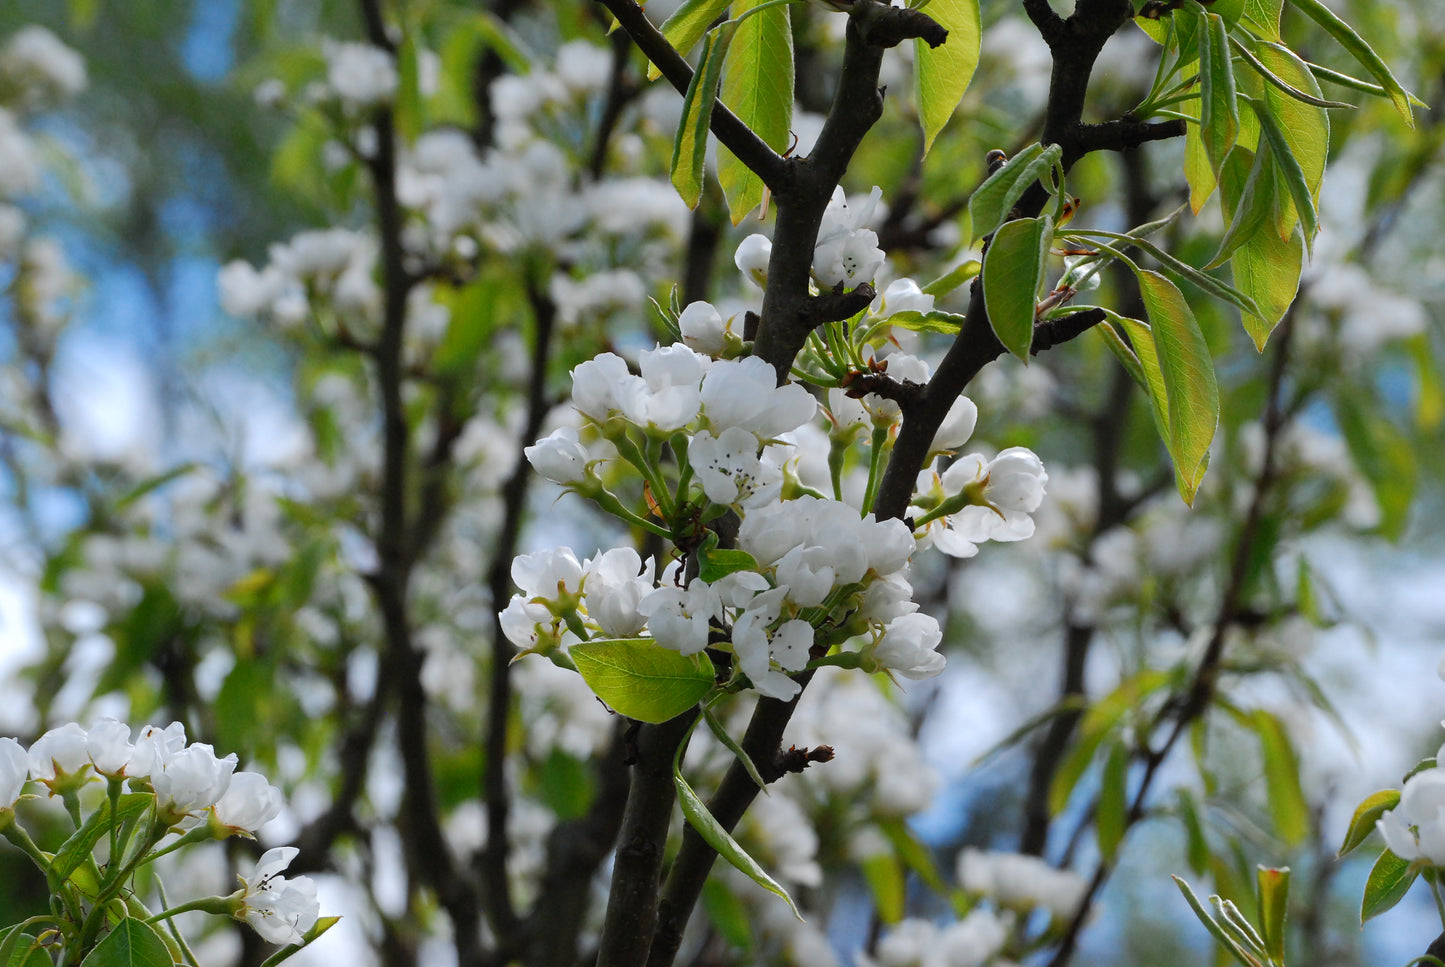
(1219, 115)
(993, 200)
(1362, 823)
(641, 679)
(1287, 804)
(689, 149)
(1389, 881)
(1273, 908)
(130, 943)
(1347, 38)
(695, 811)
(687, 25)
(1013, 270)
(941, 74)
(757, 85)
(1188, 373)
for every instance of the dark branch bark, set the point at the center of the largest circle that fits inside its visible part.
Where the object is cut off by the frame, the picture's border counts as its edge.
(736, 136)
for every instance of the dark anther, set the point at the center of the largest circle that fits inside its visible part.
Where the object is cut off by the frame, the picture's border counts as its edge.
(995, 160)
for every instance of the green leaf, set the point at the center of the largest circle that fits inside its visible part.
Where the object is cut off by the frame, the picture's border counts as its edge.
(993, 200)
(914, 854)
(686, 27)
(887, 880)
(81, 844)
(1142, 338)
(1101, 720)
(1219, 115)
(1389, 881)
(935, 320)
(130, 943)
(1246, 194)
(1267, 268)
(953, 278)
(941, 74)
(1198, 846)
(1188, 374)
(1382, 453)
(1280, 84)
(1362, 823)
(408, 111)
(689, 149)
(1197, 277)
(1347, 38)
(757, 85)
(697, 815)
(1291, 174)
(1287, 804)
(641, 679)
(22, 949)
(1225, 940)
(1110, 818)
(715, 563)
(1198, 170)
(1262, 17)
(1113, 336)
(727, 914)
(1013, 270)
(1273, 908)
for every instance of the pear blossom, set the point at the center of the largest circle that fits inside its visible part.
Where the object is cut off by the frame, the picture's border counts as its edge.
(1021, 882)
(280, 910)
(680, 618)
(957, 426)
(360, 74)
(703, 329)
(1002, 493)
(730, 471)
(59, 754)
(666, 397)
(615, 585)
(1415, 829)
(249, 802)
(154, 747)
(14, 771)
(745, 392)
(559, 457)
(109, 747)
(595, 385)
(909, 646)
(847, 253)
(905, 295)
(192, 780)
(752, 257)
(754, 645)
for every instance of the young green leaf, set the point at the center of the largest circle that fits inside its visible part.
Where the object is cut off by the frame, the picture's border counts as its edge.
(1188, 374)
(689, 149)
(1347, 38)
(1291, 175)
(1110, 817)
(1273, 908)
(953, 278)
(130, 943)
(1220, 934)
(1219, 115)
(1220, 290)
(1287, 803)
(695, 811)
(1013, 270)
(728, 915)
(1362, 823)
(686, 27)
(887, 881)
(1279, 83)
(935, 320)
(721, 733)
(1267, 268)
(1389, 881)
(993, 200)
(641, 679)
(1246, 193)
(81, 844)
(941, 74)
(757, 85)
(1262, 17)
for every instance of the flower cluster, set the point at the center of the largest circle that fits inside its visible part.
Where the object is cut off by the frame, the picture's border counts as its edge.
(1021, 883)
(188, 780)
(1415, 829)
(191, 791)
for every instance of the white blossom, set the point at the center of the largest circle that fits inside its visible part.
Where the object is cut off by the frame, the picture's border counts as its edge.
(1021, 882)
(559, 457)
(249, 802)
(360, 75)
(38, 64)
(745, 392)
(909, 646)
(615, 585)
(752, 257)
(59, 753)
(730, 471)
(14, 770)
(1415, 829)
(280, 910)
(191, 780)
(846, 252)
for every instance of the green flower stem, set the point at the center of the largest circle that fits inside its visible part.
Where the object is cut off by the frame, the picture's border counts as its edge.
(629, 450)
(878, 450)
(609, 502)
(17, 835)
(112, 792)
(1439, 901)
(72, 806)
(223, 906)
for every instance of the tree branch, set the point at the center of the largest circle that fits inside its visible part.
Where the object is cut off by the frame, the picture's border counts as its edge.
(731, 132)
